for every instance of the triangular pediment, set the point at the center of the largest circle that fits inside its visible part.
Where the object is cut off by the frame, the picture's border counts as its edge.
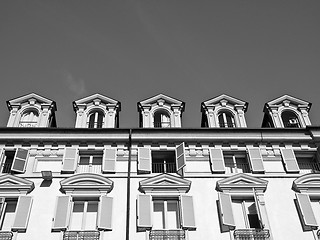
(96, 97)
(242, 182)
(16, 184)
(31, 98)
(287, 99)
(165, 182)
(86, 182)
(308, 182)
(223, 97)
(161, 97)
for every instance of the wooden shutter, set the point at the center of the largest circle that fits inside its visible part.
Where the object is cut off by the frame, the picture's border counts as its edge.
(256, 161)
(289, 159)
(217, 160)
(70, 160)
(144, 160)
(20, 160)
(62, 213)
(22, 213)
(306, 211)
(180, 158)
(109, 160)
(226, 210)
(257, 202)
(2, 204)
(187, 212)
(144, 212)
(105, 213)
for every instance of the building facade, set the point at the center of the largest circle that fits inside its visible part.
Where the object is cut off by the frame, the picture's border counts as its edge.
(222, 180)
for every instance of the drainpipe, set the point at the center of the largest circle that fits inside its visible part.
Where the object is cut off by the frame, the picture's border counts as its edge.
(128, 187)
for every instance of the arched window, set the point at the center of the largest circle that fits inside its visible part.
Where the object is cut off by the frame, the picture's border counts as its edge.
(96, 119)
(29, 119)
(226, 120)
(161, 119)
(290, 119)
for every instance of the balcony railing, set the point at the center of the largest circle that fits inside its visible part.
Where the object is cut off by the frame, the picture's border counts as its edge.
(81, 235)
(161, 124)
(89, 169)
(163, 167)
(239, 168)
(309, 167)
(27, 124)
(6, 235)
(178, 234)
(251, 234)
(226, 125)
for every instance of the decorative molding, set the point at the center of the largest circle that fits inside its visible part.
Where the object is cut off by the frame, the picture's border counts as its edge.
(15, 185)
(309, 183)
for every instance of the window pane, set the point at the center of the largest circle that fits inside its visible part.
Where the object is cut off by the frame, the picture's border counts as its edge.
(253, 218)
(316, 209)
(91, 216)
(84, 160)
(238, 215)
(77, 216)
(158, 215)
(9, 215)
(97, 160)
(172, 215)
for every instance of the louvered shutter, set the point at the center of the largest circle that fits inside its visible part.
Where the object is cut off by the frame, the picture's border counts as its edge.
(256, 161)
(144, 212)
(226, 209)
(180, 158)
(109, 160)
(187, 212)
(20, 160)
(144, 160)
(62, 213)
(289, 159)
(70, 160)
(217, 160)
(22, 213)
(257, 202)
(2, 204)
(105, 213)
(306, 211)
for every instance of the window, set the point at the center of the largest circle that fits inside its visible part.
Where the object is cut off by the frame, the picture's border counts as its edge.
(90, 161)
(14, 161)
(307, 162)
(96, 119)
(290, 119)
(166, 214)
(161, 119)
(84, 214)
(226, 120)
(161, 161)
(236, 162)
(29, 119)
(245, 213)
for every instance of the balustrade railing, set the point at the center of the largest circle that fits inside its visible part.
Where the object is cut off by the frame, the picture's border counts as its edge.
(89, 169)
(251, 234)
(81, 235)
(239, 168)
(161, 124)
(178, 234)
(309, 167)
(163, 167)
(27, 124)
(6, 235)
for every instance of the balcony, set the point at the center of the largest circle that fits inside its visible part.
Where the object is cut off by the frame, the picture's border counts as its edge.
(6, 235)
(251, 234)
(163, 167)
(81, 235)
(167, 235)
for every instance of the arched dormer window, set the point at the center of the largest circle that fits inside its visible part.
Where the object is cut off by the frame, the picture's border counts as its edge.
(226, 120)
(161, 119)
(96, 119)
(290, 119)
(29, 119)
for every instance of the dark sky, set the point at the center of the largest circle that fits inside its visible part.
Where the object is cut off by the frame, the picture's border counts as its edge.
(130, 50)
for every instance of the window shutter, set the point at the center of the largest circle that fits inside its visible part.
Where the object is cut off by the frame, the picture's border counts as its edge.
(256, 161)
(22, 213)
(217, 160)
(70, 159)
(144, 160)
(109, 160)
(20, 160)
(187, 212)
(105, 213)
(2, 204)
(226, 210)
(61, 216)
(306, 211)
(256, 200)
(180, 158)
(289, 160)
(144, 210)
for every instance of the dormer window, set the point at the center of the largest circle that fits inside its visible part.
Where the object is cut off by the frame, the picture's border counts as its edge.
(226, 120)
(290, 119)
(96, 119)
(29, 119)
(161, 119)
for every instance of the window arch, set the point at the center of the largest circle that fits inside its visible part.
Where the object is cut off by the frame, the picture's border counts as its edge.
(96, 119)
(29, 118)
(161, 119)
(226, 119)
(290, 119)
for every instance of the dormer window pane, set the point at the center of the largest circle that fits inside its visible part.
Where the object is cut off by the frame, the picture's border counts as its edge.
(161, 120)
(226, 120)
(29, 119)
(290, 119)
(96, 120)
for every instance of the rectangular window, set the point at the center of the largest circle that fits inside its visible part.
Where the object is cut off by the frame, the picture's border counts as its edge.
(236, 163)
(90, 162)
(8, 215)
(166, 214)
(307, 162)
(7, 161)
(163, 162)
(245, 214)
